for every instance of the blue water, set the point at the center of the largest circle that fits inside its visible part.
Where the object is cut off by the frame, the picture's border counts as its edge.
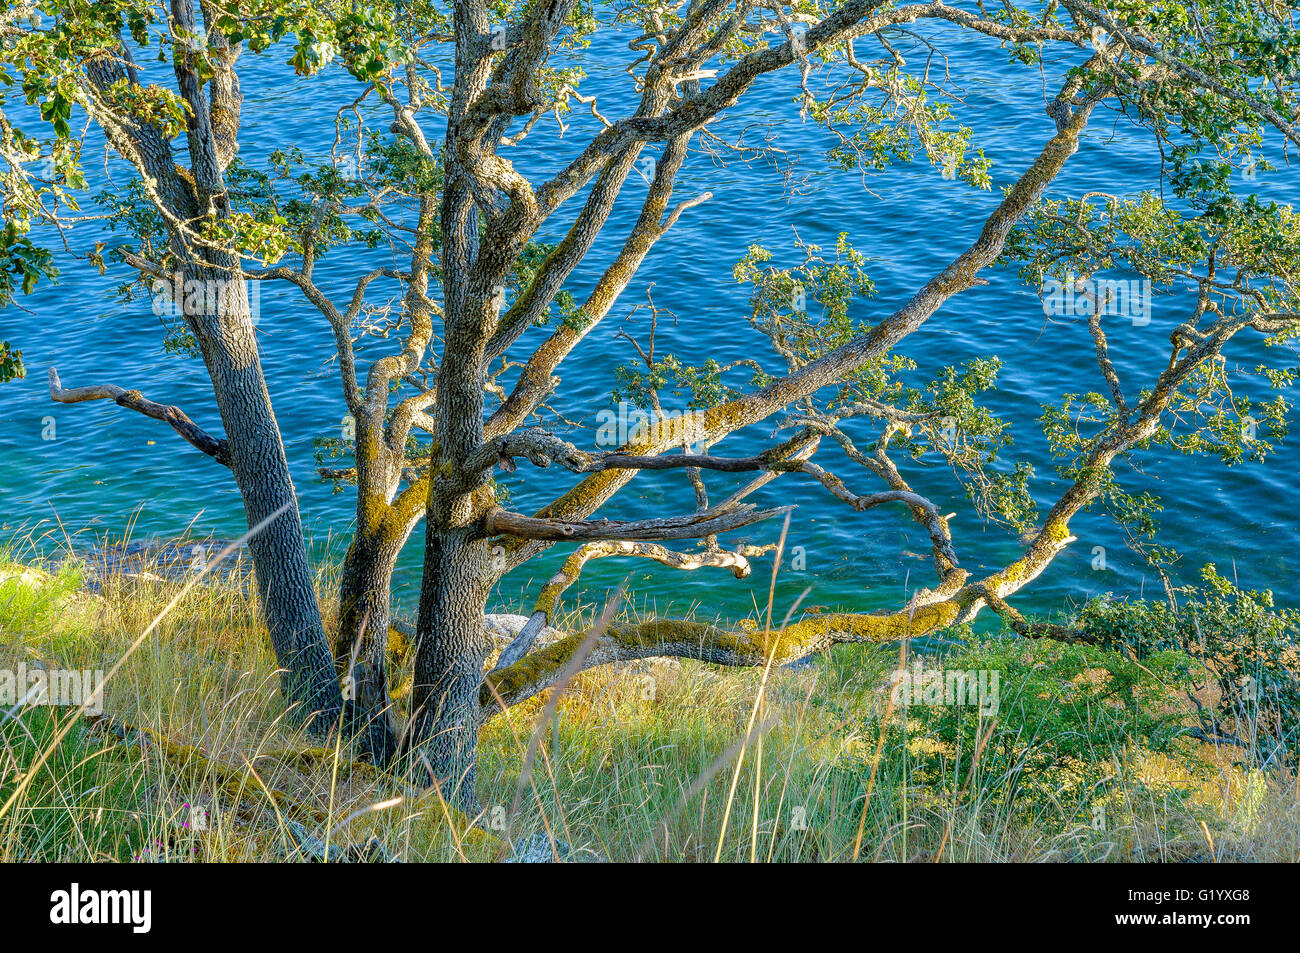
(109, 471)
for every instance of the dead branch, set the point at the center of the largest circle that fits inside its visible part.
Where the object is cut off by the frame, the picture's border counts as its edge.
(719, 519)
(176, 418)
(737, 562)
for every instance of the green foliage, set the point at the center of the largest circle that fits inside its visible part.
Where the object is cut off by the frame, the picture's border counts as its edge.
(1233, 43)
(972, 441)
(1065, 713)
(22, 264)
(11, 363)
(805, 309)
(904, 118)
(327, 451)
(1208, 243)
(527, 267)
(1228, 257)
(1246, 649)
(692, 387)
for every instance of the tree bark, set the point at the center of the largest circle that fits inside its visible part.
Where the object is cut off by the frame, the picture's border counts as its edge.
(257, 459)
(451, 647)
(361, 646)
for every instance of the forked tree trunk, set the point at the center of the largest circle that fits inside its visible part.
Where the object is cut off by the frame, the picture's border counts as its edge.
(442, 735)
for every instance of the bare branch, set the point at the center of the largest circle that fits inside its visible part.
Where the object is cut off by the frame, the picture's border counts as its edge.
(176, 418)
(719, 519)
(549, 597)
(1103, 361)
(934, 522)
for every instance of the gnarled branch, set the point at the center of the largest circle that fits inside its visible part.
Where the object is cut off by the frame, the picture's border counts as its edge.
(737, 562)
(719, 519)
(176, 418)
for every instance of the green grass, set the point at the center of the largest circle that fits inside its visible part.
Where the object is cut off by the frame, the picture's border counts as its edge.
(79, 805)
(654, 760)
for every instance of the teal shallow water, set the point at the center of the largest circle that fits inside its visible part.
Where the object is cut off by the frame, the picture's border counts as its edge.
(108, 469)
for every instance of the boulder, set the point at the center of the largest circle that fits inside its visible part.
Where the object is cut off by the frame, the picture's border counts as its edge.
(502, 628)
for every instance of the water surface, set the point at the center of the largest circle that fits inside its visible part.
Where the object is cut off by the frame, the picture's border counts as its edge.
(111, 471)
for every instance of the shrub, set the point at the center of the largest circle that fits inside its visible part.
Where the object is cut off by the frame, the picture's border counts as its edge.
(1066, 715)
(1246, 649)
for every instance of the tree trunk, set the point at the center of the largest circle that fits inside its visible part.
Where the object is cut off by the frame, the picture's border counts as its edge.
(451, 648)
(218, 314)
(451, 645)
(257, 459)
(360, 649)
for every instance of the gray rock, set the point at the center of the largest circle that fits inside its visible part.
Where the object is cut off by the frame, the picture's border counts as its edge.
(807, 661)
(312, 849)
(502, 628)
(537, 849)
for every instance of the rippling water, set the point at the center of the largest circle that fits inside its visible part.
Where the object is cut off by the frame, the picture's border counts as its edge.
(109, 470)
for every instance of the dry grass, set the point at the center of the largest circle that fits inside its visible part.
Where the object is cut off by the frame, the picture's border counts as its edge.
(656, 760)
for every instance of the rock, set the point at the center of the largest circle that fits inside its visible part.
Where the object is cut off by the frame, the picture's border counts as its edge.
(537, 849)
(502, 628)
(807, 661)
(25, 576)
(311, 848)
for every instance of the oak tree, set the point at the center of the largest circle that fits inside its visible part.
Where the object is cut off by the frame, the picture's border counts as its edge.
(451, 340)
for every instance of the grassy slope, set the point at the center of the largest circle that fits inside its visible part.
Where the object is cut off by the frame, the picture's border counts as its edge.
(639, 762)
